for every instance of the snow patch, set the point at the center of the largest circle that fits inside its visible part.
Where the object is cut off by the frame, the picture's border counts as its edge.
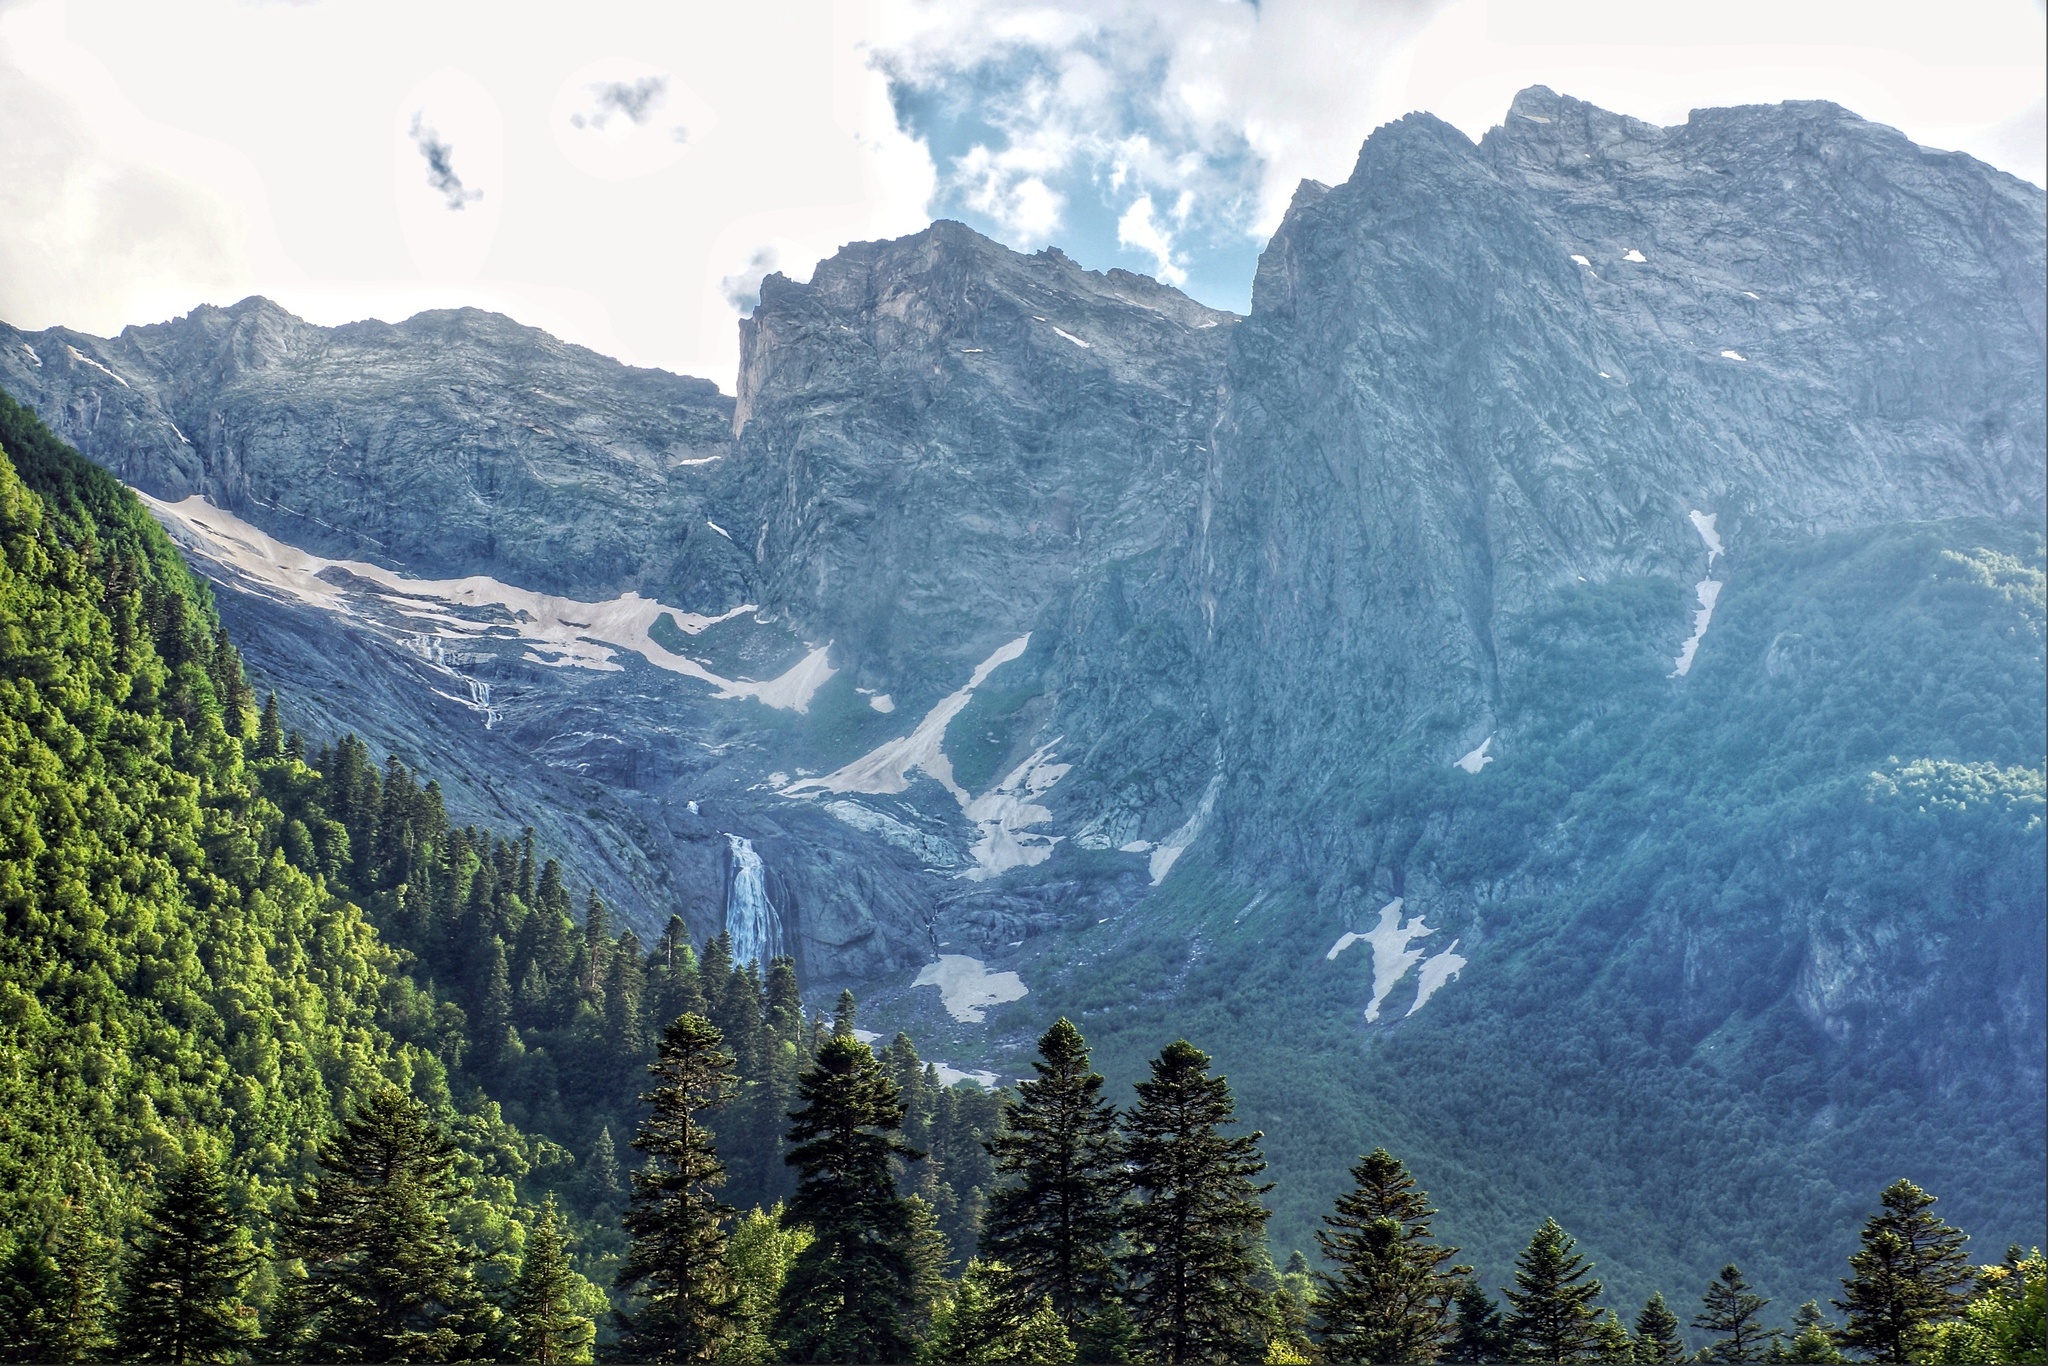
(701, 460)
(1135, 847)
(1533, 118)
(1709, 593)
(562, 632)
(1747, 295)
(882, 703)
(1006, 813)
(1391, 956)
(967, 988)
(1633, 255)
(1703, 522)
(181, 435)
(1733, 355)
(1478, 758)
(34, 358)
(953, 1076)
(1344, 941)
(717, 528)
(1168, 851)
(1582, 261)
(865, 1035)
(1072, 338)
(971, 351)
(930, 849)
(81, 357)
(887, 768)
(1435, 972)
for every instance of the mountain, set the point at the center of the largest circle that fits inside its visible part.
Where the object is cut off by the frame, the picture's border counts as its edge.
(1596, 594)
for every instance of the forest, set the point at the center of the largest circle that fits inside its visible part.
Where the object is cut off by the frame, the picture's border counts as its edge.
(293, 1067)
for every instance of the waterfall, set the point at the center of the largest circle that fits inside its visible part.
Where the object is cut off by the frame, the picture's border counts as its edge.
(750, 917)
(480, 698)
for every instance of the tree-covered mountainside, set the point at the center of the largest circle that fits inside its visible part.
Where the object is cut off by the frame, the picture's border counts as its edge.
(215, 940)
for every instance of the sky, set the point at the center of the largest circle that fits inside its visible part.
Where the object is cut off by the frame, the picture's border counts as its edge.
(624, 174)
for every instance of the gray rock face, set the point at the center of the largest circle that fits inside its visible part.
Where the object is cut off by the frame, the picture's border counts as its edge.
(454, 443)
(1473, 375)
(1506, 425)
(941, 438)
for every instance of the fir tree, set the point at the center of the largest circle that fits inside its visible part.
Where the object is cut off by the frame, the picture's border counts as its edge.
(1551, 1304)
(676, 1263)
(386, 1280)
(546, 1327)
(181, 1297)
(1813, 1339)
(1909, 1276)
(1611, 1342)
(53, 1293)
(1478, 1332)
(1729, 1311)
(1194, 1271)
(270, 731)
(602, 1176)
(1390, 1297)
(1054, 1221)
(852, 1294)
(984, 1323)
(1657, 1339)
(843, 1015)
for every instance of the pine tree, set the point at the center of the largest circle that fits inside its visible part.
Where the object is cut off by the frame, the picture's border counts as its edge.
(985, 1323)
(852, 1294)
(53, 1293)
(1194, 1233)
(1813, 1338)
(602, 1177)
(1477, 1330)
(546, 1327)
(1611, 1342)
(1909, 1276)
(1657, 1339)
(181, 1297)
(843, 1015)
(1054, 1220)
(676, 1262)
(931, 1256)
(270, 731)
(1551, 1303)
(1390, 1299)
(386, 1280)
(1729, 1310)
(79, 1315)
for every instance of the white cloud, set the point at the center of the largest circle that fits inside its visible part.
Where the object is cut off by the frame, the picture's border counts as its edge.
(1136, 229)
(162, 156)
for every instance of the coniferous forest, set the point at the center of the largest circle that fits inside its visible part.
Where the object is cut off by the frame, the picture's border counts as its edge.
(295, 1068)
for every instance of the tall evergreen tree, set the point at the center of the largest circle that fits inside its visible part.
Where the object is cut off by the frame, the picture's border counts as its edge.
(1813, 1339)
(1611, 1342)
(181, 1297)
(1657, 1339)
(1478, 1332)
(852, 1294)
(54, 1303)
(1551, 1303)
(1910, 1274)
(1054, 1220)
(1390, 1298)
(677, 1263)
(547, 1328)
(1730, 1310)
(987, 1323)
(1195, 1232)
(386, 1280)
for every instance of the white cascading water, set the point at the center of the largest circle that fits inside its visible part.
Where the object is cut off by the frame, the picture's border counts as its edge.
(480, 698)
(750, 917)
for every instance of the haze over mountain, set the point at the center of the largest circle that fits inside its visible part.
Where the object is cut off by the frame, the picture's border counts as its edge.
(1602, 577)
